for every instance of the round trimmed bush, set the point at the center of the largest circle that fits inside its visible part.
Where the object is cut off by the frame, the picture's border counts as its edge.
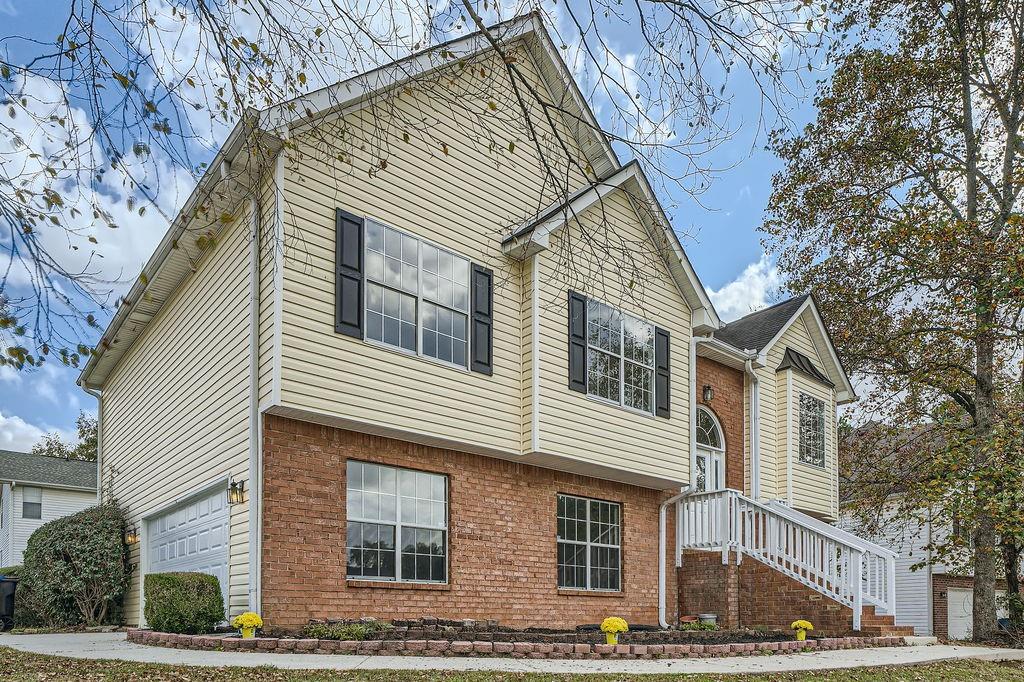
(76, 567)
(183, 603)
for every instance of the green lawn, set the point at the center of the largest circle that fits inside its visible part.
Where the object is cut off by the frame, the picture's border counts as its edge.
(21, 667)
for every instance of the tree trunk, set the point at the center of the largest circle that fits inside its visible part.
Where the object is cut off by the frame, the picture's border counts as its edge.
(986, 560)
(1011, 565)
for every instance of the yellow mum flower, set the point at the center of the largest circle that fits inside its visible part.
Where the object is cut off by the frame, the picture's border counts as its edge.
(614, 624)
(802, 625)
(247, 620)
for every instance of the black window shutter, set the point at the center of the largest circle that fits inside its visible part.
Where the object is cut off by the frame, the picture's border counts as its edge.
(662, 373)
(577, 342)
(348, 274)
(482, 297)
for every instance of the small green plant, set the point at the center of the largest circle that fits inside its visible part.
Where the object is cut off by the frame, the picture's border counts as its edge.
(345, 631)
(698, 626)
(183, 603)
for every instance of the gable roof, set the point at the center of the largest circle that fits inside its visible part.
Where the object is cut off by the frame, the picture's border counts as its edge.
(28, 469)
(756, 330)
(761, 330)
(249, 148)
(534, 233)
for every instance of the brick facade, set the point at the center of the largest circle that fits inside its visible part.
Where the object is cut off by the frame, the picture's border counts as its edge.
(502, 529)
(752, 595)
(941, 582)
(727, 405)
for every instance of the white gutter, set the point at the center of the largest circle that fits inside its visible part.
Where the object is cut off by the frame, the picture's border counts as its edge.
(662, 620)
(755, 430)
(99, 439)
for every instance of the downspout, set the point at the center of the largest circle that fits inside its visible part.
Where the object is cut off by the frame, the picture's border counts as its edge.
(99, 440)
(255, 432)
(535, 352)
(662, 620)
(755, 430)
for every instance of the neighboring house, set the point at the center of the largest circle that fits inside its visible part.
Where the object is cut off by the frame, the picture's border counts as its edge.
(350, 394)
(34, 490)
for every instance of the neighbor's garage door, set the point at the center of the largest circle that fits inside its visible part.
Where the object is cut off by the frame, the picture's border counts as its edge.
(960, 607)
(192, 537)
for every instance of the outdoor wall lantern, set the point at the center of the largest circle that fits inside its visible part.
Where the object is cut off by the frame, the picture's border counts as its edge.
(236, 492)
(708, 393)
(131, 535)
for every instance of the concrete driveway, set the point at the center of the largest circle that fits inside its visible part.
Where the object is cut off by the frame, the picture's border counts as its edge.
(114, 646)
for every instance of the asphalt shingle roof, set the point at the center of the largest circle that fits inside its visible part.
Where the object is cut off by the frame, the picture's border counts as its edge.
(754, 331)
(27, 468)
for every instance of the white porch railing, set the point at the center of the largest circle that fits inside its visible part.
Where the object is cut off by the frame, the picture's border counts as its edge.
(834, 562)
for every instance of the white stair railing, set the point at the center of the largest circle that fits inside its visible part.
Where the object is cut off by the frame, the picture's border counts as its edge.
(834, 562)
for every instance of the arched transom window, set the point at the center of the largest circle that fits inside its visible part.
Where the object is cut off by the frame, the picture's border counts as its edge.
(710, 473)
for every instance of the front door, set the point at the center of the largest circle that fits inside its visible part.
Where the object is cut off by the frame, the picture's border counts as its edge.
(709, 471)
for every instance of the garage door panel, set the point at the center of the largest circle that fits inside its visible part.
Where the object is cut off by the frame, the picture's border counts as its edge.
(193, 538)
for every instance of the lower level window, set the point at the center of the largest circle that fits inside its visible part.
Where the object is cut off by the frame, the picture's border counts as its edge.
(589, 544)
(397, 524)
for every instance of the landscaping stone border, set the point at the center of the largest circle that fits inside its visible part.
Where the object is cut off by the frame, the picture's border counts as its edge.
(424, 647)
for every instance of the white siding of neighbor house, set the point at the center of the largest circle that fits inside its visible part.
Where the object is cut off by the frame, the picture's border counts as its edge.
(175, 408)
(573, 425)
(57, 503)
(6, 507)
(908, 539)
(814, 489)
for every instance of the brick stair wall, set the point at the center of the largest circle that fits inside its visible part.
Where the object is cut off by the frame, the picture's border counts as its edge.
(751, 594)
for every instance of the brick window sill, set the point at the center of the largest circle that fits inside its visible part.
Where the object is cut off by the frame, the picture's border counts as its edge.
(591, 593)
(392, 585)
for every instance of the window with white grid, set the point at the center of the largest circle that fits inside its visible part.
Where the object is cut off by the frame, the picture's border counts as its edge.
(417, 295)
(620, 357)
(589, 544)
(812, 430)
(397, 524)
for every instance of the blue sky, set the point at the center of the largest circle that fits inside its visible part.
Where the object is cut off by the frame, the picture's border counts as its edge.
(719, 232)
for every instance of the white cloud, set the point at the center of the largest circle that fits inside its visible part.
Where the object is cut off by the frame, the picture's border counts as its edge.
(19, 435)
(748, 292)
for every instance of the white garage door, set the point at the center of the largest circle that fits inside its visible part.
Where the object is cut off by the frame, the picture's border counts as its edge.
(960, 607)
(192, 537)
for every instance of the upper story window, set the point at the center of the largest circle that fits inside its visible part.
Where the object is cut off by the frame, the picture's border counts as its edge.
(31, 503)
(397, 524)
(589, 544)
(812, 430)
(417, 295)
(620, 357)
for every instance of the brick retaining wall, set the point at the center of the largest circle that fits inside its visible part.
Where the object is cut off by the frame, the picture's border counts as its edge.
(422, 647)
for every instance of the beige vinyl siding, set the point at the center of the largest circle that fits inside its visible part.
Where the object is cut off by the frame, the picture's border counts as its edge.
(269, 251)
(526, 343)
(175, 409)
(814, 489)
(463, 201)
(573, 425)
(769, 447)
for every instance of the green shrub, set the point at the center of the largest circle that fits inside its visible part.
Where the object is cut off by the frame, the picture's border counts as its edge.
(344, 631)
(76, 567)
(697, 626)
(184, 603)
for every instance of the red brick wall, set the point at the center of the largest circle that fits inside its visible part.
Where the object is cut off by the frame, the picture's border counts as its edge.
(727, 405)
(709, 586)
(502, 547)
(941, 582)
(753, 595)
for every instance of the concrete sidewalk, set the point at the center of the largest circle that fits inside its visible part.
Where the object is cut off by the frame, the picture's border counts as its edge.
(114, 646)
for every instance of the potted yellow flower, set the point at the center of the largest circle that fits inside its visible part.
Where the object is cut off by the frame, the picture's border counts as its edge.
(801, 627)
(247, 623)
(611, 627)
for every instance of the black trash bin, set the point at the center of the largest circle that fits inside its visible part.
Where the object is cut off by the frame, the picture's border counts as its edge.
(7, 588)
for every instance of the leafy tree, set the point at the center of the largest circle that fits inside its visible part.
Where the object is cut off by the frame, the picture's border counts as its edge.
(52, 445)
(116, 105)
(900, 206)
